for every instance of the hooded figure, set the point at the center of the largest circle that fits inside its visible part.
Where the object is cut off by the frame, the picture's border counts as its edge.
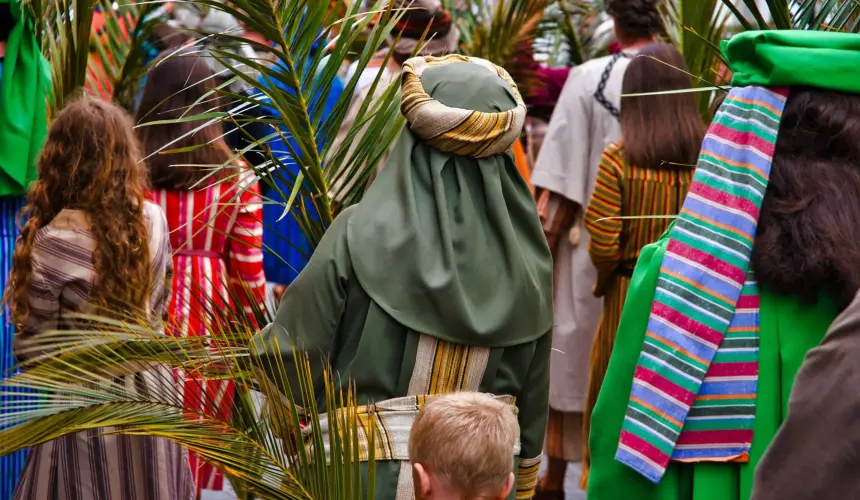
(723, 309)
(24, 86)
(421, 288)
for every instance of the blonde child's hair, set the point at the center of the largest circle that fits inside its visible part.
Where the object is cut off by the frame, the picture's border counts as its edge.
(467, 440)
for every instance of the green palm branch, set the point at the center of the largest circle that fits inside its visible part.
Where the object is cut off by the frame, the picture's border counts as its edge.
(290, 89)
(504, 32)
(696, 27)
(120, 48)
(271, 445)
(110, 62)
(63, 28)
(839, 15)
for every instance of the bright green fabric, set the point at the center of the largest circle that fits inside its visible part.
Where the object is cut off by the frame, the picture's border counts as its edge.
(451, 246)
(23, 113)
(784, 58)
(789, 330)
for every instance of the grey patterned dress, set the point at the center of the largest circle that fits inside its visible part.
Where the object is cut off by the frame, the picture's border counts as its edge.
(92, 465)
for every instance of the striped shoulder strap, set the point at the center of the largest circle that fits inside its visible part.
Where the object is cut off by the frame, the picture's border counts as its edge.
(701, 280)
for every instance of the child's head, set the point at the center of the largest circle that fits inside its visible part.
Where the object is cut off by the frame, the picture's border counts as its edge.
(462, 447)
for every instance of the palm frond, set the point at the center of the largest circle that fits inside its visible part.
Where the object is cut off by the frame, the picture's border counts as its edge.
(504, 32)
(293, 90)
(64, 28)
(837, 15)
(697, 27)
(83, 383)
(119, 51)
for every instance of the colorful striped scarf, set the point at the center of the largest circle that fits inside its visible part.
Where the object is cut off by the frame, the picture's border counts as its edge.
(694, 389)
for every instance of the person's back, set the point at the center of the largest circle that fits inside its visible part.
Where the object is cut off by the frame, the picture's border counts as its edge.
(439, 280)
(213, 212)
(641, 183)
(583, 123)
(72, 258)
(746, 282)
(462, 446)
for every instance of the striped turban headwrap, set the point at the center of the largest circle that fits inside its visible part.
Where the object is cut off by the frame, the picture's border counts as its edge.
(463, 132)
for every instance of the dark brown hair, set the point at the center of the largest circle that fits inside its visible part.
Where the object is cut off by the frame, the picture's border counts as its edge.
(175, 88)
(636, 18)
(808, 239)
(90, 163)
(660, 130)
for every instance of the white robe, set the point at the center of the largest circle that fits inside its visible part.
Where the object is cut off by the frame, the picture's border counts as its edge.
(578, 132)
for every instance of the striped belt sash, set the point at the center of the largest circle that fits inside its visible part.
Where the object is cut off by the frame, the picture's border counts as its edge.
(389, 422)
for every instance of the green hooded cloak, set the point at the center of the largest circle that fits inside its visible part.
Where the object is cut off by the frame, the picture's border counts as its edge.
(444, 250)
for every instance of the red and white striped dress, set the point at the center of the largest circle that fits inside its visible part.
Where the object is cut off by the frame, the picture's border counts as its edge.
(216, 235)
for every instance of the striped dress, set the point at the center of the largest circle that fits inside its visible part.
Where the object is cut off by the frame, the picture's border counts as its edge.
(623, 190)
(95, 464)
(216, 234)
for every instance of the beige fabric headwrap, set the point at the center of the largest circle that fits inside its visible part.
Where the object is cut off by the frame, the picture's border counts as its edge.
(458, 131)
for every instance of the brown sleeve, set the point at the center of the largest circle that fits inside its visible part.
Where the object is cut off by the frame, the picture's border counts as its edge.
(816, 453)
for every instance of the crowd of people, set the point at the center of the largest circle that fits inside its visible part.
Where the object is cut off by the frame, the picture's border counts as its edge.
(594, 272)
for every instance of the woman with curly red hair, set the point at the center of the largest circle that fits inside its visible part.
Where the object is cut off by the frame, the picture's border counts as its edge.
(92, 244)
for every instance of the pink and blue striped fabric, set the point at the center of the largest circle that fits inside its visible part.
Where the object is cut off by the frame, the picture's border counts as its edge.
(693, 395)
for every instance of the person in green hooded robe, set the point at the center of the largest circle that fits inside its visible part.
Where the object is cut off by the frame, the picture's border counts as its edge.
(724, 308)
(440, 279)
(24, 86)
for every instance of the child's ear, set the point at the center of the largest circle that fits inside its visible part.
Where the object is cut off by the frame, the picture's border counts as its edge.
(509, 485)
(421, 480)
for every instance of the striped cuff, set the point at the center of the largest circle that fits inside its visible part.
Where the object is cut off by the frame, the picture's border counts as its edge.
(527, 476)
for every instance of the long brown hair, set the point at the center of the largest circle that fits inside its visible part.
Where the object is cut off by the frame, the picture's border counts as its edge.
(660, 130)
(808, 238)
(175, 87)
(90, 163)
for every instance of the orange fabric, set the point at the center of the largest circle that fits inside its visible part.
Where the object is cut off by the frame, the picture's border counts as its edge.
(522, 162)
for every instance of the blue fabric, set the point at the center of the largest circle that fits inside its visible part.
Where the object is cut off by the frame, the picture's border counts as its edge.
(286, 248)
(10, 465)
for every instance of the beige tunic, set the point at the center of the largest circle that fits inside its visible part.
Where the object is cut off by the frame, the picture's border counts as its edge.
(91, 465)
(579, 130)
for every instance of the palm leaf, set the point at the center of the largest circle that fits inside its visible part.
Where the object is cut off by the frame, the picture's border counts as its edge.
(64, 27)
(292, 89)
(504, 32)
(839, 15)
(80, 386)
(697, 27)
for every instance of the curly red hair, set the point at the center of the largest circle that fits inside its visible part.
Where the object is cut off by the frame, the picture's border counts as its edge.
(90, 163)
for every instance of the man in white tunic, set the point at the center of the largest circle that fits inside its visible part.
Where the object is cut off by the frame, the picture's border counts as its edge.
(584, 122)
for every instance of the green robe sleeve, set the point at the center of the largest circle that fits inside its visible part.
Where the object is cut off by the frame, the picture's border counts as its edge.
(309, 314)
(608, 479)
(533, 407)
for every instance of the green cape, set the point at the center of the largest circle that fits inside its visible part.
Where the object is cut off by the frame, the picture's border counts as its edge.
(451, 246)
(775, 58)
(23, 107)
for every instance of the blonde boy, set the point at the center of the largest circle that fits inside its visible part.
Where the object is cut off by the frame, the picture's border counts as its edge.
(462, 448)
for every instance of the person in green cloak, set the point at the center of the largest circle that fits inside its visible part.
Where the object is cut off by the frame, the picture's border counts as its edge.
(439, 280)
(24, 86)
(724, 308)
